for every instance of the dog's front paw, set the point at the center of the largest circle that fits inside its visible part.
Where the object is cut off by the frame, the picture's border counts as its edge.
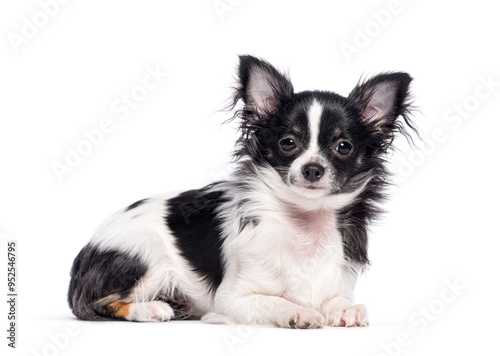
(303, 319)
(354, 315)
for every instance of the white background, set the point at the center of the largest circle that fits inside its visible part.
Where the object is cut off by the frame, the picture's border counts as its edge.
(441, 223)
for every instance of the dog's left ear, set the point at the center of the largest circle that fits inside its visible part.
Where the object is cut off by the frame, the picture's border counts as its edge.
(382, 99)
(262, 87)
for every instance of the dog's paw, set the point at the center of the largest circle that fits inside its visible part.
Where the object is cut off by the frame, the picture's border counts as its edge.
(354, 315)
(154, 311)
(303, 319)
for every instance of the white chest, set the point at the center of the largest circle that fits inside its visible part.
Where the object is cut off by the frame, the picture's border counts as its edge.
(299, 257)
(317, 270)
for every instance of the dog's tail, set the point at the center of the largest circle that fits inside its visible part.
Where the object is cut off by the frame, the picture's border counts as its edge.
(102, 283)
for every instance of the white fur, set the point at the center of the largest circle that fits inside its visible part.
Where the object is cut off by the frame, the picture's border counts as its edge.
(287, 267)
(312, 156)
(150, 311)
(142, 232)
(314, 117)
(283, 266)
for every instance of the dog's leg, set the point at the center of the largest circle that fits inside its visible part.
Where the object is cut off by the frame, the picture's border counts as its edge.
(113, 285)
(142, 311)
(339, 311)
(267, 310)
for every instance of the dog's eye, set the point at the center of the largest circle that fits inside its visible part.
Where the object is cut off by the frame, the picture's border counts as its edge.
(344, 148)
(287, 144)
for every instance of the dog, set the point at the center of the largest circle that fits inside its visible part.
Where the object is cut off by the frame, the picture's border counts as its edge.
(282, 242)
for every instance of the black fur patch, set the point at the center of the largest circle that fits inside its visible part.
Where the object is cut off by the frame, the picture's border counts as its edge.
(192, 218)
(342, 118)
(136, 204)
(97, 274)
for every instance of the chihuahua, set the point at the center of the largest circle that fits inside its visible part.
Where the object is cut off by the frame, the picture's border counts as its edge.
(281, 243)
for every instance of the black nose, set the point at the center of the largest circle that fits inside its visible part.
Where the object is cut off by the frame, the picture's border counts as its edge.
(312, 172)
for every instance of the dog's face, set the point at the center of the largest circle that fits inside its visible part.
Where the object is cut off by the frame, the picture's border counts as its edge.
(319, 142)
(315, 143)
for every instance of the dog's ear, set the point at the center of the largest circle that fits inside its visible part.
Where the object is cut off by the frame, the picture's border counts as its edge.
(382, 99)
(262, 87)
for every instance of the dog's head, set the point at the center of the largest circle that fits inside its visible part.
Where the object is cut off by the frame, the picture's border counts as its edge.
(320, 143)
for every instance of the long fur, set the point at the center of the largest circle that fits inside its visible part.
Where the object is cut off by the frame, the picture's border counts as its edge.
(273, 245)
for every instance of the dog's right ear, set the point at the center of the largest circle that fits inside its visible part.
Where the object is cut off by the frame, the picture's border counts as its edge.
(262, 87)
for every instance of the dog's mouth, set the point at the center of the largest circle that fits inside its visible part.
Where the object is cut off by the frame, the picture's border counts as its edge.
(311, 190)
(305, 186)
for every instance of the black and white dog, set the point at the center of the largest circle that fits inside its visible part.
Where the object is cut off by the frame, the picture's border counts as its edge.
(282, 243)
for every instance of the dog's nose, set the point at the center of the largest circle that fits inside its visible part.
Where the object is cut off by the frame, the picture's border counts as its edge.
(313, 172)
